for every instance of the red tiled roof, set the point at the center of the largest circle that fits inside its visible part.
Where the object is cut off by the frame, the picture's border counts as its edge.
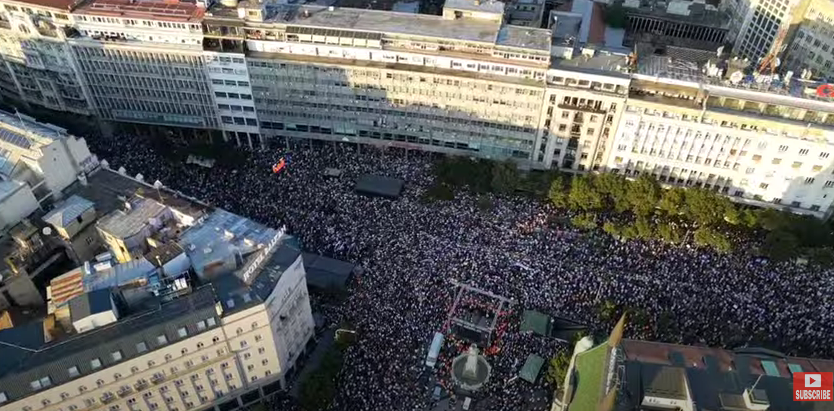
(67, 286)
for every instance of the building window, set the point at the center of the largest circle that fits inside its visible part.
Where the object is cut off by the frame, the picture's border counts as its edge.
(211, 322)
(809, 180)
(162, 339)
(201, 325)
(141, 347)
(803, 152)
(116, 355)
(182, 332)
(783, 148)
(796, 164)
(95, 363)
(73, 371)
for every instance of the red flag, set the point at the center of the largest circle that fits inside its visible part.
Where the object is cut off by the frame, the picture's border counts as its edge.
(279, 165)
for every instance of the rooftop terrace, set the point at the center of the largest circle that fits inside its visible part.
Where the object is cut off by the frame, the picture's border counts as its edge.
(389, 22)
(148, 9)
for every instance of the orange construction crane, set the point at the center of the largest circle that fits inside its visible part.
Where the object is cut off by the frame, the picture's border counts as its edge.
(769, 61)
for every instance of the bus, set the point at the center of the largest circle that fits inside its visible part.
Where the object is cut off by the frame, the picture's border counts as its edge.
(434, 350)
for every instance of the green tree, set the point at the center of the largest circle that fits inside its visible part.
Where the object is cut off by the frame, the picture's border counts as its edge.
(319, 388)
(705, 207)
(611, 229)
(614, 188)
(505, 177)
(772, 220)
(644, 228)
(607, 310)
(709, 237)
(780, 245)
(673, 200)
(643, 194)
(557, 370)
(669, 233)
(558, 193)
(584, 221)
(583, 194)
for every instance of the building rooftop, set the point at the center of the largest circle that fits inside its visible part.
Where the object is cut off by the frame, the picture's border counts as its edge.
(524, 37)
(66, 5)
(25, 357)
(235, 294)
(602, 62)
(679, 71)
(91, 303)
(380, 22)
(179, 11)
(90, 278)
(481, 6)
(7, 188)
(692, 12)
(127, 223)
(711, 378)
(590, 373)
(218, 243)
(108, 190)
(67, 211)
(25, 132)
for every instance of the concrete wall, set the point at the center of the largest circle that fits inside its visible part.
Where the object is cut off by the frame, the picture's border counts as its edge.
(19, 204)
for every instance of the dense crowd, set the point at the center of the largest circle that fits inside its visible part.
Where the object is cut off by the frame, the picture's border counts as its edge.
(411, 248)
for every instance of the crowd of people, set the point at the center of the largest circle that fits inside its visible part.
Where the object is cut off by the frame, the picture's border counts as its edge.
(410, 249)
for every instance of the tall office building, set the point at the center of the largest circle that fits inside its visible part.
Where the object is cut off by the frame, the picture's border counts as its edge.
(37, 66)
(812, 45)
(757, 24)
(465, 82)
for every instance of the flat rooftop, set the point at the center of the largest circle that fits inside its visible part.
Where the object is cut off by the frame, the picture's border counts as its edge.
(482, 6)
(156, 10)
(126, 223)
(524, 37)
(7, 188)
(66, 5)
(379, 21)
(601, 63)
(221, 238)
(683, 11)
(108, 190)
(795, 93)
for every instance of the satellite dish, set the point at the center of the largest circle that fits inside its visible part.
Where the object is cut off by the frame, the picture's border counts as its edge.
(122, 170)
(47, 231)
(777, 62)
(736, 77)
(140, 177)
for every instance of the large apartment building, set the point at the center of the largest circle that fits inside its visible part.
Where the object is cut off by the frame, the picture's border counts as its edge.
(759, 146)
(465, 82)
(205, 310)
